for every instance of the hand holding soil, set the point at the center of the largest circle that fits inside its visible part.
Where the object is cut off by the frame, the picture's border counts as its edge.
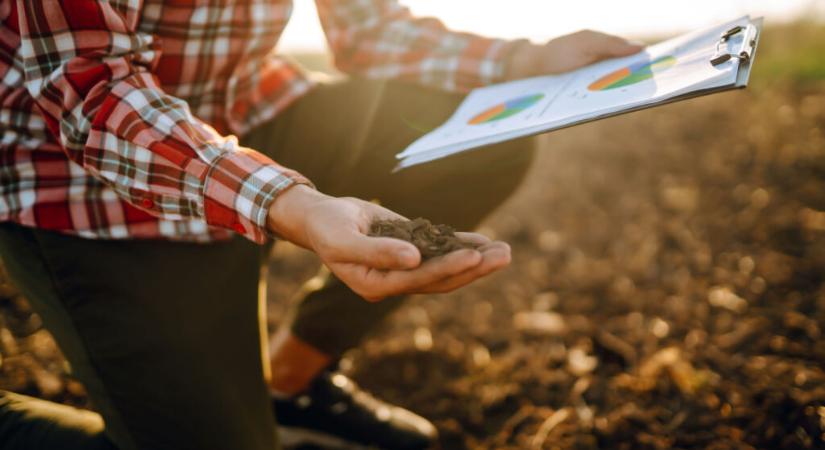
(378, 267)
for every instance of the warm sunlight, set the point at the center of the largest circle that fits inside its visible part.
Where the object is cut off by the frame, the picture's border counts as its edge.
(540, 20)
(212, 219)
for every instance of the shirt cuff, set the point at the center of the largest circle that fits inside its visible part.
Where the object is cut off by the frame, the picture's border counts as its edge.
(239, 189)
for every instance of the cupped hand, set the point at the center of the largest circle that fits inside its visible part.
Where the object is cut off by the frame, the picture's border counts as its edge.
(376, 267)
(568, 53)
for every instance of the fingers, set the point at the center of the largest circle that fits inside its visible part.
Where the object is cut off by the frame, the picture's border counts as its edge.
(344, 239)
(473, 238)
(377, 267)
(375, 252)
(580, 49)
(617, 46)
(603, 46)
(494, 257)
(376, 211)
(439, 275)
(375, 285)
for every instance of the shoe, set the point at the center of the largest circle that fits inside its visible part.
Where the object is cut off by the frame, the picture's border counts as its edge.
(334, 413)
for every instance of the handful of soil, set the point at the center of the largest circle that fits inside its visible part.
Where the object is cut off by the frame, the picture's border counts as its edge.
(431, 240)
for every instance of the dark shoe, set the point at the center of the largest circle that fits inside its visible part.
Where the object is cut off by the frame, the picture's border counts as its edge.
(335, 413)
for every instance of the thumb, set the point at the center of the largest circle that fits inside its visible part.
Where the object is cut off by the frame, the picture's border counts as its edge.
(608, 46)
(377, 252)
(622, 47)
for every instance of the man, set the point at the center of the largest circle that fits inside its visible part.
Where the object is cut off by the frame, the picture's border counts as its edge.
(132, 215)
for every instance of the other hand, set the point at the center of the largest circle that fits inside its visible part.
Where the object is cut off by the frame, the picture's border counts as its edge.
(567, 53)
(376, 267)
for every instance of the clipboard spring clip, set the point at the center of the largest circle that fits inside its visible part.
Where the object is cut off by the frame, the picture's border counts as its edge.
(744, 54)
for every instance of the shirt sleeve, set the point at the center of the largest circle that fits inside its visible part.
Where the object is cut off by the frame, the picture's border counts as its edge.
(382, 39)
(90, 73)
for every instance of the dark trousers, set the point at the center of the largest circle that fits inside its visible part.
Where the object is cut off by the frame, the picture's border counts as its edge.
(166, 336)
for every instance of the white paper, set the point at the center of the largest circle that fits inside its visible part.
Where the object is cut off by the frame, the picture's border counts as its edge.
(506, 111)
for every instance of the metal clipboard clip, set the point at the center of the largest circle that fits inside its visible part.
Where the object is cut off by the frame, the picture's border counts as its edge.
(743, 53)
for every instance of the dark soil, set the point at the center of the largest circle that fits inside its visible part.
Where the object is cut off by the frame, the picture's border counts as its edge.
(431, 240)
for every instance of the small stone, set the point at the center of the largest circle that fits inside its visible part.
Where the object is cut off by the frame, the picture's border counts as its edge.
(580, 363)
(681, 198)
(723, 297)
(423, 339)
(481, 356)
(760, 198)
(812, 219)
(550, 241)
(545, 301)
(539, 323)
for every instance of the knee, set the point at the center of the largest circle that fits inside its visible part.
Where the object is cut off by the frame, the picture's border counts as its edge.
(510, 160)
(523, 152)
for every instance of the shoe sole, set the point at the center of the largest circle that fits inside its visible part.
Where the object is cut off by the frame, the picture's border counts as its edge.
(292, 437)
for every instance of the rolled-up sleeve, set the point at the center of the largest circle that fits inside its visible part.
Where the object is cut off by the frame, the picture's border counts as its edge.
(382, 39)
(90, 73)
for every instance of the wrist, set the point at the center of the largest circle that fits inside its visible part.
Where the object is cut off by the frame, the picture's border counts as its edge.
(520, 60)
(287, 214)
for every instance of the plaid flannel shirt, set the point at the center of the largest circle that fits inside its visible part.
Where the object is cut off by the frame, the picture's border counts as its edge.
(117, 116)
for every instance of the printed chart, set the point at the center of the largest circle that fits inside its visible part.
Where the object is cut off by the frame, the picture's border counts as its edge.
(633, 74)
(672, 70)
(506, 109)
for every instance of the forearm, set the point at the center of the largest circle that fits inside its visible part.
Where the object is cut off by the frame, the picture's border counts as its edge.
(103, 104)
(383, 39)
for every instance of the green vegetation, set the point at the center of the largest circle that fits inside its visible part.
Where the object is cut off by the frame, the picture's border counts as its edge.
(792, 53)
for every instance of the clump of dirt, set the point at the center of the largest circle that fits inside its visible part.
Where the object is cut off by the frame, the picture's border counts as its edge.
(431, 240)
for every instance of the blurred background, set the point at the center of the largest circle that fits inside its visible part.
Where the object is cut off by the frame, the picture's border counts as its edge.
(668, 286)
(542, 20)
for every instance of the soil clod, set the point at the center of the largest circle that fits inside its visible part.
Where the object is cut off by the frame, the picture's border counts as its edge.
(431, 240)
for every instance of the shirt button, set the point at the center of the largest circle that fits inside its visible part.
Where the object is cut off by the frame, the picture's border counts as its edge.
(147, 203)
(239, 228)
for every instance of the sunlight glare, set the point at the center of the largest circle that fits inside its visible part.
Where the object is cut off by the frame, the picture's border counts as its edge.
(540, 20)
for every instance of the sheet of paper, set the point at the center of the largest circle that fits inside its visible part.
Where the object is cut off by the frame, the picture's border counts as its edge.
(505, 111)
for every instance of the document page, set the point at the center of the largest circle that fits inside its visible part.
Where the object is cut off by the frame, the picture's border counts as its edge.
(519, 108)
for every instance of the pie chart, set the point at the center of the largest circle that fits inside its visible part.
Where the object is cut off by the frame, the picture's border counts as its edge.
(505, 109)
(635, 73)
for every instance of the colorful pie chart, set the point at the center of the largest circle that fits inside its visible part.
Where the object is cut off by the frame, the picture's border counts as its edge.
(633, 74)
(506, 109)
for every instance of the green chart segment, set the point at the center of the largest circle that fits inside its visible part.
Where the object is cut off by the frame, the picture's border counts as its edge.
(633, 74)
(506, 109)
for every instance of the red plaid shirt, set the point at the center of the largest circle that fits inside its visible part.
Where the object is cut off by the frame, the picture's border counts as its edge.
(117, 115)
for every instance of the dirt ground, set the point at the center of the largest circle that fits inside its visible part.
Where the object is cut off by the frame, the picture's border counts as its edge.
(667, 291)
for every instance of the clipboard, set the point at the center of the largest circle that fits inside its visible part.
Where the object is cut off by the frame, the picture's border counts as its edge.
(745, 50)
(733, 48)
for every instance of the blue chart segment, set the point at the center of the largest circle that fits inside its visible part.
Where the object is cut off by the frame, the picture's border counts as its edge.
(506, 109)
(633, 74)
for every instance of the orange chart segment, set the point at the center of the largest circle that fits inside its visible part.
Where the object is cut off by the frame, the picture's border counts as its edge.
(610, 79)
(635, 73)
(488, 115)
(506, 109)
